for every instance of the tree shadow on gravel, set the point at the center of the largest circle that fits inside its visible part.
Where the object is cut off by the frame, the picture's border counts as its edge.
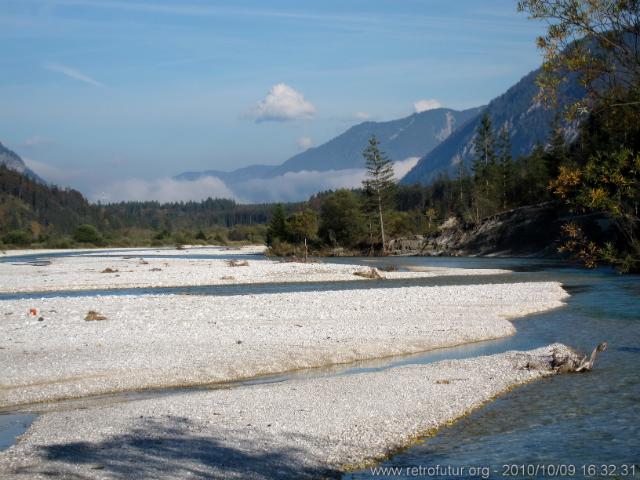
(173, 448)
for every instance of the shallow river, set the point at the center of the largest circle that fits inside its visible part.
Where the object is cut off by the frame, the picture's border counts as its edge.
(578, 422)
(571, 420)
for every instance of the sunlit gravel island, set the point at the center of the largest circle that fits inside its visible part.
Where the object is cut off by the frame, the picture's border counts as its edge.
(65, 344)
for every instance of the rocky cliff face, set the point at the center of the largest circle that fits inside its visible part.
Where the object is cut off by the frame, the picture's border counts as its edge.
(524, 231)
(528, 231)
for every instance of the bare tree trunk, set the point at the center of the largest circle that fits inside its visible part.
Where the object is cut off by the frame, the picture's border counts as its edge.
(384, 243)
(504, 191)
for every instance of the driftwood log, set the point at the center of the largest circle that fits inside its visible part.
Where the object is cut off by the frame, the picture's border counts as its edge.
(576, 363)
(564, 360)
(237, 263)
(371, 274)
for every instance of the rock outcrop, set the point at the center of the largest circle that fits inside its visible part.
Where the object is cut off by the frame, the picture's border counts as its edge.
(527, 231)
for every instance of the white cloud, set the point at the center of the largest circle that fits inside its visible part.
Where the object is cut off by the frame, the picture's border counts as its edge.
(58, 176)
(164, 190)
(297, 186)
(402, 167)
(426, 104)
(283, 103)
(46, 171)
(291, 186)
(36, 141)
(304, 142)
(72, 73)
(160, 189)
(362, 116)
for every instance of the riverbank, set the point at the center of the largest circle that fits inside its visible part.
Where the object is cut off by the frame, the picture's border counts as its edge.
(197, 266)
(312, 428)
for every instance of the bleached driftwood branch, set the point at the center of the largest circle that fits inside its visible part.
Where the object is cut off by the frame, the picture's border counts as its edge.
(563, 360)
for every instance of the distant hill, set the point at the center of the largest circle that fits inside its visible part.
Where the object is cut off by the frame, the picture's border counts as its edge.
(528, 122)
(12, 161)
(412, 136)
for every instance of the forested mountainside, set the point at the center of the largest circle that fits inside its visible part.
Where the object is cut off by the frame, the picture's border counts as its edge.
(32, 206)
(35, 213)
(12, 160)
(526, 120)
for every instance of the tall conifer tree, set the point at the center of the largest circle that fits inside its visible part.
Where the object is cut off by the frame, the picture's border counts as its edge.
(379, 183)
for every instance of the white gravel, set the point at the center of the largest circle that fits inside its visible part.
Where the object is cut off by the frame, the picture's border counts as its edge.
(116, 251)
(129, 270)
(191, 250)
(161, 340)
(297, 429)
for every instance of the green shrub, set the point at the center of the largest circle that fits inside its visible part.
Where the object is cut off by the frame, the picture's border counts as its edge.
(123, 242)
(282, 249)
(180, 239)
(87, 234)
(163, 235)
(18, 238)
(59, 242)
(248, 233)
(219, 239)
(341, 220)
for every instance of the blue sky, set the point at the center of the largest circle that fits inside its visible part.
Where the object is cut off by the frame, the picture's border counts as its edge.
(93, 91)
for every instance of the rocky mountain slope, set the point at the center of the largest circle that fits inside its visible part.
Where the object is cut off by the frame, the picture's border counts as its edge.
(412, 136)
(12, 161)
(527, 120)
(399, 139)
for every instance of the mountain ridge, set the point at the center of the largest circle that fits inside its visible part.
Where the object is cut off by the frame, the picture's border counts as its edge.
(399, 139)
(528, 122)
(403, 138)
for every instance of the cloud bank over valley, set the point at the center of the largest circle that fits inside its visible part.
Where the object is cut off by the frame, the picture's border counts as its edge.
(288, 187)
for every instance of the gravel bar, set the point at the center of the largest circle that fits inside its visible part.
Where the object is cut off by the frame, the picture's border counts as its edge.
(174, 340)
(133, 270)
(292, 430)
